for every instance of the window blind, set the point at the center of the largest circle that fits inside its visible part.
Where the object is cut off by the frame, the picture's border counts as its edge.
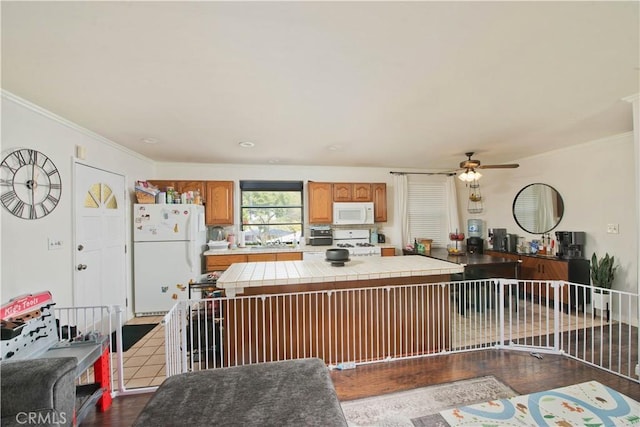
(427, 211)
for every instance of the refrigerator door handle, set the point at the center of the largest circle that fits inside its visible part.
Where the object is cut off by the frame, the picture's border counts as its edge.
(191, 253)
(191, 239)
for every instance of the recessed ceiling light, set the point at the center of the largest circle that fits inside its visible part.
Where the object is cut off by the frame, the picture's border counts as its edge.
(334, 147)
(246, 144)
(150, 140)
(273, 161)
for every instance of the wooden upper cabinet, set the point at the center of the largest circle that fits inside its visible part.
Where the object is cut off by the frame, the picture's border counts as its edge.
(342, 192)
(351, 192)
(379, 197)
(180, 186)
(320, 202)
(183, 186)
(219, 203)
(361, 192)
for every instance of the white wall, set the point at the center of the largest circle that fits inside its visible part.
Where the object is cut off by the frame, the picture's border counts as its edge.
(597, 183)
(27, 264)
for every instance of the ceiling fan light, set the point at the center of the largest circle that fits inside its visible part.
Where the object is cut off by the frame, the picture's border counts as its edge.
(470, 175)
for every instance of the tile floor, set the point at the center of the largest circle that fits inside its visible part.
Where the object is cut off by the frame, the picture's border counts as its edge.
(144, 362)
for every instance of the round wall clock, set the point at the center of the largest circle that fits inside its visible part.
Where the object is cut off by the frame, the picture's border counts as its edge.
(30, 184)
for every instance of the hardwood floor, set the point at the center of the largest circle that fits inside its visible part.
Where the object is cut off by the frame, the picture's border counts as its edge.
(519, 370)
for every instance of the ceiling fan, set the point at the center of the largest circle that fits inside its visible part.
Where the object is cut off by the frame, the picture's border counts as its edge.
(470, 165)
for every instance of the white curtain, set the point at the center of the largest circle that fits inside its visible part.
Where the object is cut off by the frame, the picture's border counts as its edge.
(546, 208)
(401, 217)
(451, 196)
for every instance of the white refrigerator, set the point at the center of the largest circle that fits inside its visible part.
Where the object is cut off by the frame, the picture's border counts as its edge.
(168, 242)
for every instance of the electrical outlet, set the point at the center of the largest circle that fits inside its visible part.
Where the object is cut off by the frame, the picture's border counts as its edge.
(637, 370)
(54, 244)
(612, 228)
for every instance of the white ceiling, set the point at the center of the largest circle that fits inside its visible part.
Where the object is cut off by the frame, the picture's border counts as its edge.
(388, 84)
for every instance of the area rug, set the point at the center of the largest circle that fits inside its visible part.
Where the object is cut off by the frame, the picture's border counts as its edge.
(131, 334)
(421, 406)
(585, 404)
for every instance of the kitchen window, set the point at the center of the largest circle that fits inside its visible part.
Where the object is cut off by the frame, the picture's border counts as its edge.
(271, 212)
(427, 209)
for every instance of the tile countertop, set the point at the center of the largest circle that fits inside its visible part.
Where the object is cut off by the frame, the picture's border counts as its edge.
(278, 273)
(267, 250)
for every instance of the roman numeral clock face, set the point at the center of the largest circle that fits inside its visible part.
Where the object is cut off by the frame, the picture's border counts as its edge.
(30, 184)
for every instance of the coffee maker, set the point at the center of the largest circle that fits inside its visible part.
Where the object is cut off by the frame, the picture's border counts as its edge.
(475, 245)
(571, 244)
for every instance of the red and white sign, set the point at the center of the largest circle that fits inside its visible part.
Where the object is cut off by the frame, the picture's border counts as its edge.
(24, 304)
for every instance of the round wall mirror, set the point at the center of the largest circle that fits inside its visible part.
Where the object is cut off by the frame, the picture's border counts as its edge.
(538, 208)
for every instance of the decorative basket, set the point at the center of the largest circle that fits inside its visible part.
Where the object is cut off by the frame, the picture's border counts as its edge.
(145, 198)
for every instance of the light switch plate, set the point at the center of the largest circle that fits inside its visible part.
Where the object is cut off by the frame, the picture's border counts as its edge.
(54, 244)
(612, 228)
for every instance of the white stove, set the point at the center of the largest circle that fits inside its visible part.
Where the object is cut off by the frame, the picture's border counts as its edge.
(356, 241)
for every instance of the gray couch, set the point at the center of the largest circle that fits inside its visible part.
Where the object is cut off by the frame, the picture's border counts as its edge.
(287, 393)
(38, 392)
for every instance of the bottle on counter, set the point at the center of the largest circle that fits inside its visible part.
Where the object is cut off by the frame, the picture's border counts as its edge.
(170, 195)
(374, 236)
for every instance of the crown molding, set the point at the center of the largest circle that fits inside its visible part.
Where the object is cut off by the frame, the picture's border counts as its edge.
(48, 114)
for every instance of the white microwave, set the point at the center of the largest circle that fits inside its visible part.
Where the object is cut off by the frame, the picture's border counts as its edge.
(351, 213)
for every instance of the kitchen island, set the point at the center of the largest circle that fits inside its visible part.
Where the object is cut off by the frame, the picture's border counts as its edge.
(476, 266)
(252, 278)
(370, 309)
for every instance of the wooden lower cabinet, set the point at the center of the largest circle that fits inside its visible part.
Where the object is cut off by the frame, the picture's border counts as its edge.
(534, 269)
(288, 256)
(222, 262)
(388, 251)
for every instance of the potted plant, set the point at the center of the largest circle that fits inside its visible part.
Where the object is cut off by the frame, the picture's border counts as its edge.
(602, 274)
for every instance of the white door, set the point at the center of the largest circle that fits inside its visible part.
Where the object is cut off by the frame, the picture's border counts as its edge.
(100, 258)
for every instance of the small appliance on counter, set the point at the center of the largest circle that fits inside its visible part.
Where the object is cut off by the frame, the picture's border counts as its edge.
(320, 235)
(571, 244)
(216, 233)
(474, 228)
(475, 242)
(374, 236)
(382, 238)
(511, 243)
(497, 237)
(475, 245)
